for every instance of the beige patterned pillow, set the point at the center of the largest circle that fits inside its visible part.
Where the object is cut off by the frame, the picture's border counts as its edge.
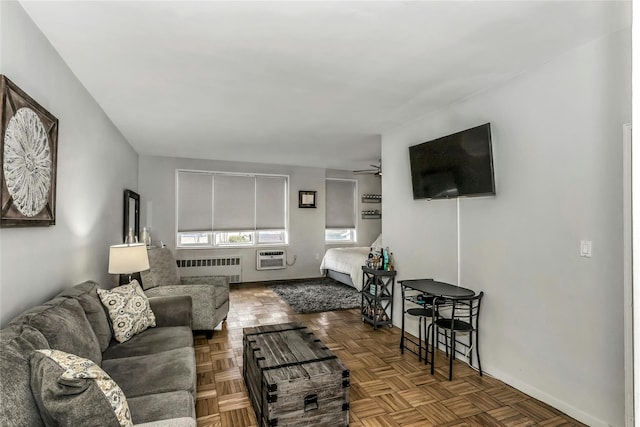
(72, 390)
(129, 310)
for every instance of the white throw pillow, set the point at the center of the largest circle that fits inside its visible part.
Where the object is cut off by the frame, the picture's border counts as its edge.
(129, 310)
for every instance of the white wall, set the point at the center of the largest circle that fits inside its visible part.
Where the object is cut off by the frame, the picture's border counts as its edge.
(552, 322)
(306, 226)
(95, 165)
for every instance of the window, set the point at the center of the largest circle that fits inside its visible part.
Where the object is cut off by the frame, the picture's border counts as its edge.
(271, 236)
(340, 235)
(223, 209)
(234, 238)
(340, 226)
(194, 239)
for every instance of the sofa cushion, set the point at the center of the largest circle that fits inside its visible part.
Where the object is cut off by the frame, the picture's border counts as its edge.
(18, 406)
(170, 370)
(128, 309)
(23, 318)
(163, 272)
(172, 311)
(73, 391)
(155, 340)
(66, 328)
(162, 406)
(146, 280)
(87, 295)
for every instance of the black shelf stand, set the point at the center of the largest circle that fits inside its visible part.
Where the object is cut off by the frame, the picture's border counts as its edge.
(377, 296)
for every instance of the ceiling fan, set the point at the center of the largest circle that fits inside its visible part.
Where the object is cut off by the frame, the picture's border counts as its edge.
(377, 170)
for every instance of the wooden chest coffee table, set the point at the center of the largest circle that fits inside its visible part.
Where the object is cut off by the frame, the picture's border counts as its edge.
(293, 379)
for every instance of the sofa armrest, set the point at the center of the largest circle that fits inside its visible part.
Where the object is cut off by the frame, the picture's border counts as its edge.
(172, 310)
(197, 292)
(203, 299)
(219, 284)
(172, 422)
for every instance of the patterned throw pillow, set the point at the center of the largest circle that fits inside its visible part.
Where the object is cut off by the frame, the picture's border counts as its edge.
(129, 310)
(71, 391)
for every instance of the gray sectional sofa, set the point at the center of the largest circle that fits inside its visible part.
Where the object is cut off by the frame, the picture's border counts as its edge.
(155, 369)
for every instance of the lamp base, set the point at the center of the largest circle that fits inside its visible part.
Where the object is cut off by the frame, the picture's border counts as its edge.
(125, 279)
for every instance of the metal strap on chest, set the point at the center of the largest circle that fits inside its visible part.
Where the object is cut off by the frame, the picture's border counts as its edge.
(297, 363)
(293, 328)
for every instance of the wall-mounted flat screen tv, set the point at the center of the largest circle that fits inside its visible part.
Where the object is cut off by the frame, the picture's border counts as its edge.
(456, 165)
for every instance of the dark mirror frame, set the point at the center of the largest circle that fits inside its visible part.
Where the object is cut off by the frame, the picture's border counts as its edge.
(131, 197)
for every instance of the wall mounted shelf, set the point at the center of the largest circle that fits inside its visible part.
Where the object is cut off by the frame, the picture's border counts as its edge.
(371, 198)
(371, 214)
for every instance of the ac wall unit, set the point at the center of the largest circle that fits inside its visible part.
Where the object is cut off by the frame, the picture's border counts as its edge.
(271, 259)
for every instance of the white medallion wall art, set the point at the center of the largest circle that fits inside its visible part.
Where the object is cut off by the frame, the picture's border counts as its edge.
(29, 147)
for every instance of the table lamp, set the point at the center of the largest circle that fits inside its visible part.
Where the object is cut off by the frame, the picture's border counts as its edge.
(128, 259)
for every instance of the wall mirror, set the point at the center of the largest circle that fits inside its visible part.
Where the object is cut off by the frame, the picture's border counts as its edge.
(131, 214)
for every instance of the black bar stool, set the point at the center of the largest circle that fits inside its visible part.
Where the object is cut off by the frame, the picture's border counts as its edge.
(465, 313)
(423, 314)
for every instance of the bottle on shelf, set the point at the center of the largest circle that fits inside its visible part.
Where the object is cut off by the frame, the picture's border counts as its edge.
(386, 259)
(391, 267)
(370, 253)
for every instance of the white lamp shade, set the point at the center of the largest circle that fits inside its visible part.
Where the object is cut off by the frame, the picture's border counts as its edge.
(127, 259)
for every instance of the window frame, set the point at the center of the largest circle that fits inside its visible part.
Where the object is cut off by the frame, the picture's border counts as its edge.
(212, 235)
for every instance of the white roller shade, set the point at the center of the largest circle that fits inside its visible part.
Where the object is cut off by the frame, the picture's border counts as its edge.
(341, 203)
(195, 200)
(234, 207)
(270, 202)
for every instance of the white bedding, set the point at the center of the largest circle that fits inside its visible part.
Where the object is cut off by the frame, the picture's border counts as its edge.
(346, 260)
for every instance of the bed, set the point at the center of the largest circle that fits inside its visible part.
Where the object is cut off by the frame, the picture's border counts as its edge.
(345, 264)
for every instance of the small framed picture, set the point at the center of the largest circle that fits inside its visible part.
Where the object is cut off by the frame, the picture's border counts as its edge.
(307, 199)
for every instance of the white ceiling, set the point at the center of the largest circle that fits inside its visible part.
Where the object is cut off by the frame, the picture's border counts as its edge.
(301, 83)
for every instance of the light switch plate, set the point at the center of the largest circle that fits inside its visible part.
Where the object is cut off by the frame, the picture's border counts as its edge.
(585, 248)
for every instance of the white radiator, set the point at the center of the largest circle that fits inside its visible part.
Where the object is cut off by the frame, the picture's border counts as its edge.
(271, 259)
(217, 266)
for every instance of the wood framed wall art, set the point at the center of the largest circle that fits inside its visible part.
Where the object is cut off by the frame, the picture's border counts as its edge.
(306, 199)
(29, 154)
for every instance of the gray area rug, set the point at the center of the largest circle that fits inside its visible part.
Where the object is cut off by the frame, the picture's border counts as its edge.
(316, 296)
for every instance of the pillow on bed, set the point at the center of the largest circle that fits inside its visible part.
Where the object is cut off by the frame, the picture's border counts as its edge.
(377, 243)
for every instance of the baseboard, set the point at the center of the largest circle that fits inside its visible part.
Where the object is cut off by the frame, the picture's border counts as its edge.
(269, 282)
(526, 388)
(558, 404)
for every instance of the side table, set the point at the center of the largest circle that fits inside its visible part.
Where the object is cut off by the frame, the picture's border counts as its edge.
(377, 296)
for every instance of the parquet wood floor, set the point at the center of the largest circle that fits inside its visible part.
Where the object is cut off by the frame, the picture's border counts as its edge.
(388, 389)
